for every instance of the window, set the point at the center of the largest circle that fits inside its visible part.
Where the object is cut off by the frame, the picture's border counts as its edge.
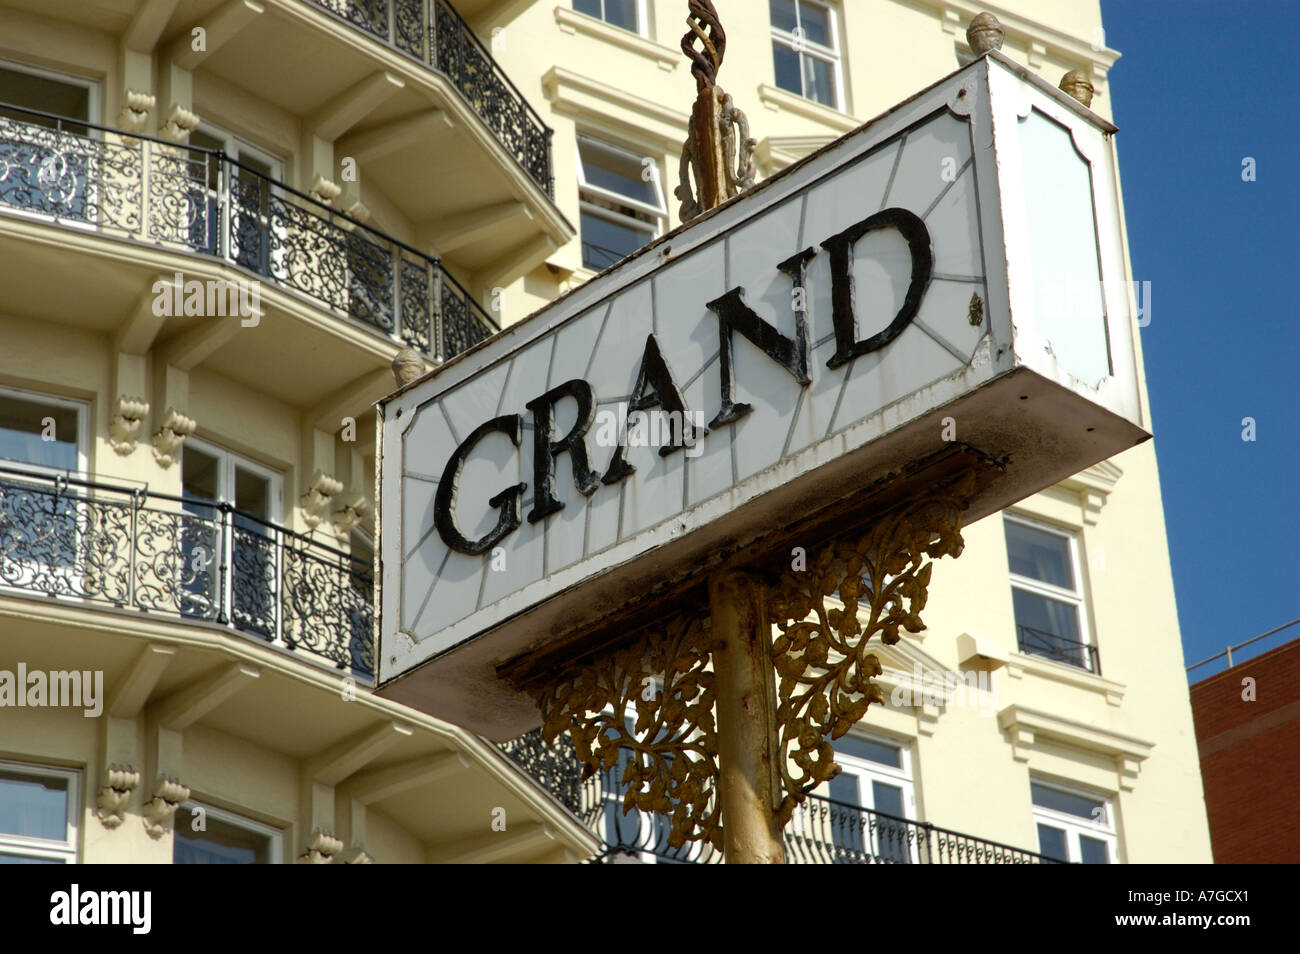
(243, 539)
(245, 191)
(1073, 826)
(361, 593)
(40, 534)
(46, 173)
(1047, 594)
(621, 200)
(209, 836)
(805, 50)
(628, 14)
(876, 776)
(38, 815)
(44, 432)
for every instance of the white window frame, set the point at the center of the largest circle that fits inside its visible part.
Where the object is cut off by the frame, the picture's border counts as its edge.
(642, 24)
(659, 213)
(75, 577)
(227, 460)
(92, 117)
(818, 51)
(867, 771)
(241, 149)
(276, 835)
(1078, 599)
(82, 408)
(65, 850)
(1074, 825)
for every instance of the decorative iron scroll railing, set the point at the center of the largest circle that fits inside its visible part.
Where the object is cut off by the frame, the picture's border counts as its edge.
(188, 559)
(1062, 649)
(822, 831)
(433, 32)
(201, 201)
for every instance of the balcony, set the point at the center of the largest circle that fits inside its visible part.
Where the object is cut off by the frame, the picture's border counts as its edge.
(197, 201)
(1037, 642)
(191, 560)
(822, 831)
(432, 32)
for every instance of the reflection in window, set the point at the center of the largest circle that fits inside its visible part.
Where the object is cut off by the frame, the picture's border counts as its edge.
(1047, 595)
(1073, 826)
(805, 50)
(621, 202)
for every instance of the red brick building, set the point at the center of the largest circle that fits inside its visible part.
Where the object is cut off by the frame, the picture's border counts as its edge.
(1248, 732)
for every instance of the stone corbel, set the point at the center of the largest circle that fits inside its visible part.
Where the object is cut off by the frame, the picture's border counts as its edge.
(119, 782)
(136, 107)
(171, 434)
(315, 502)
(159, 810)
(321, 849)
(351, 515)
(354, 209)
(324, 191)
(180, 123)
(128, 420)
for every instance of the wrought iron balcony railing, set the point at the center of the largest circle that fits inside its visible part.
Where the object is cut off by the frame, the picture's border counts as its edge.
(822, 831)
(433, 32)
(185, 558)
(203, 202)
(1060, 649)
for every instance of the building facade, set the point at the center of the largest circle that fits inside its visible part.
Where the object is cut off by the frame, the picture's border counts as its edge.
(1248, 735)
(222, 219)
(1044, 710)
(201, 302)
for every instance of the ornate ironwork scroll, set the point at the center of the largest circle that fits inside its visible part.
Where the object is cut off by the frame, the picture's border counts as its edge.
(718, 147)
(821, 656)
(671, 751)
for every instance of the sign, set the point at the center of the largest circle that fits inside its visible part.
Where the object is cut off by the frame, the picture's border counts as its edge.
(950, 272)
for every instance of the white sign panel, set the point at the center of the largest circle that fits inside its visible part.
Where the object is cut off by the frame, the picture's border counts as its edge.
(961, 239)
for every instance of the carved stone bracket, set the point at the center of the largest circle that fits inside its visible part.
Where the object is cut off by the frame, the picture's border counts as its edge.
(821, 656)
(180, 123)
(171, 434)
(321, 849)
(119, 782)
(126, 424)
(325, 191)
(316, 501)
(136, 107)
(672, 769)
(168, 794)
(352, 515)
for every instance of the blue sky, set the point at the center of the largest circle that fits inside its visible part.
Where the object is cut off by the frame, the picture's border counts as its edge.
(1200, 87)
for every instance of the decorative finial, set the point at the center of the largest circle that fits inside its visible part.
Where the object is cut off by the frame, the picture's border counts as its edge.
(721, 157)
(985, 33)
(1076, 83)
(407, 366)
(705, 62)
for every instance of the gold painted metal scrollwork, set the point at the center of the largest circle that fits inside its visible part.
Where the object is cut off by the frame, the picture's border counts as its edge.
(671, 753)
(821, 657)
